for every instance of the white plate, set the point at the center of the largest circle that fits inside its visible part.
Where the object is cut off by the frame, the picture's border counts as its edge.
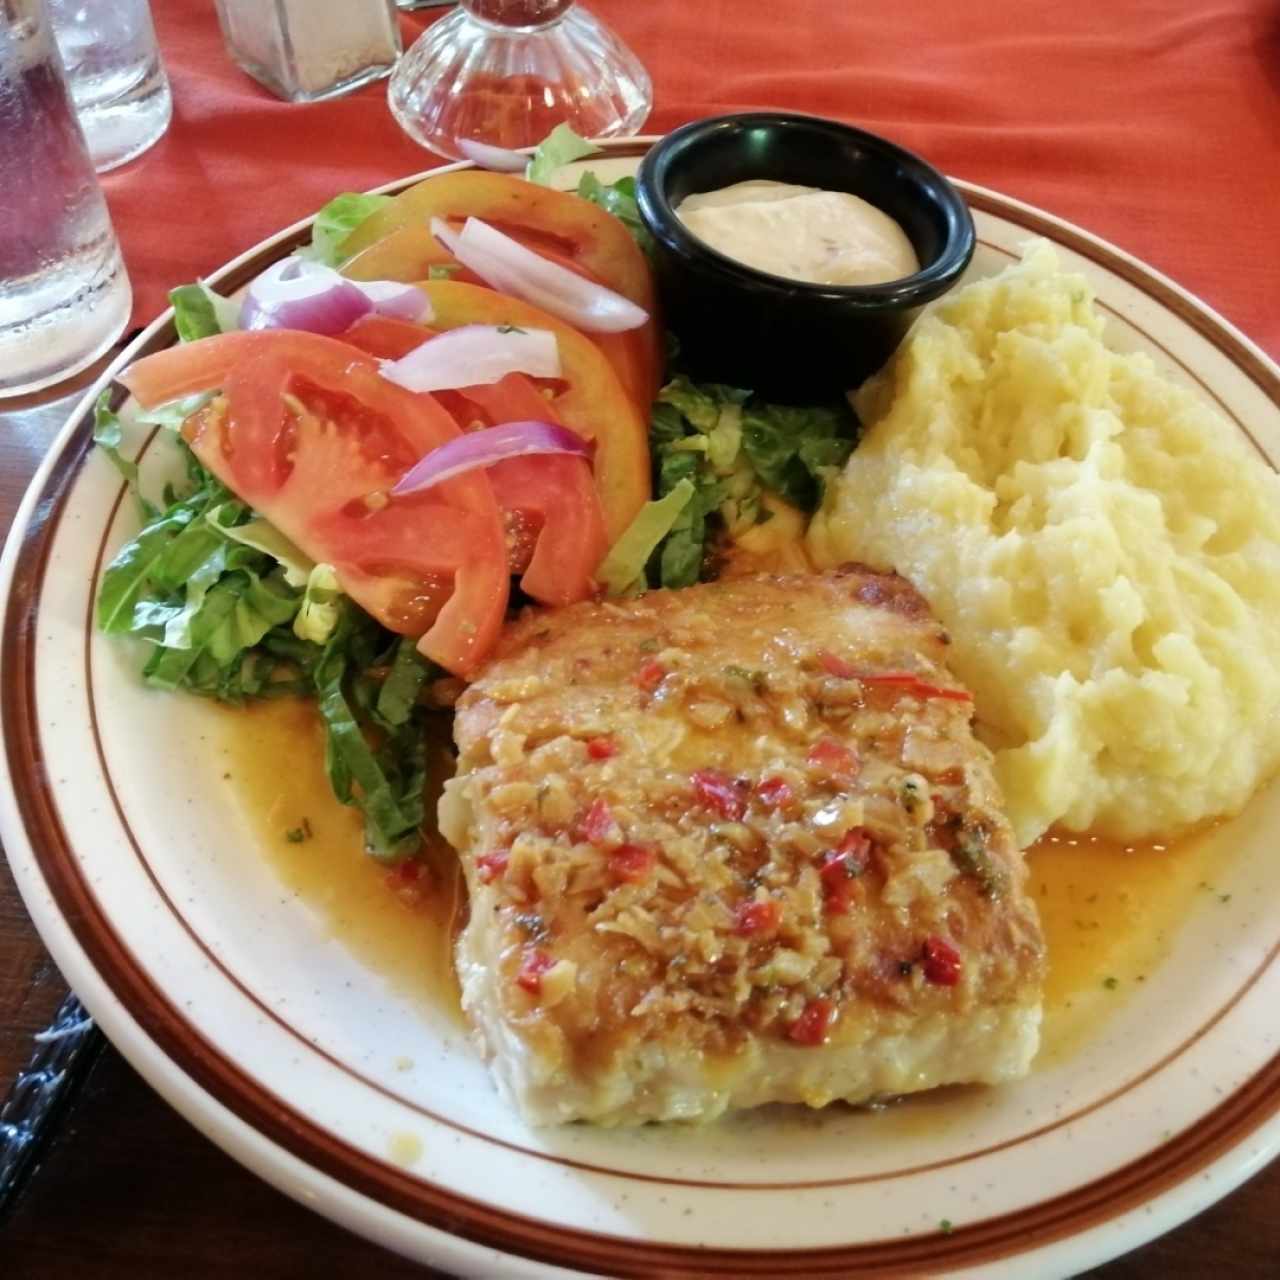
(233, 1000)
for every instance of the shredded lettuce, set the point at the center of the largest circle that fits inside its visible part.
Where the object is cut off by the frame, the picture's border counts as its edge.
(398, 694)
(619, 199)
(297, 566)
(794, 450)
(622, 570)
(171, 416)
(335, 222)
(321, 601)
(108, 435)
(230, 609)
(385, 781)
(560, 147)
(199, 312)
(732, 449)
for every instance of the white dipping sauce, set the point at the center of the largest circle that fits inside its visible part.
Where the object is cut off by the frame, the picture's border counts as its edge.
(802, 233)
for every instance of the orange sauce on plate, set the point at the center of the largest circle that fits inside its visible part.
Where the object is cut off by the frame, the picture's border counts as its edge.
(1110, 912)
(274, 767)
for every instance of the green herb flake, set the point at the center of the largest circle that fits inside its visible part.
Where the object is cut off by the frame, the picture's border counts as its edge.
(946, 1226)
(971, 856)
(1111, 983)
(300, 833)
(755, 680)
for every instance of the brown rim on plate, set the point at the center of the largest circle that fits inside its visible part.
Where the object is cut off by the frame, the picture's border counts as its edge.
(999, 1237)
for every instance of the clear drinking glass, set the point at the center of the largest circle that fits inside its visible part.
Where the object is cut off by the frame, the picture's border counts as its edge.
(64, 294)
(507, 72)
(117, 80)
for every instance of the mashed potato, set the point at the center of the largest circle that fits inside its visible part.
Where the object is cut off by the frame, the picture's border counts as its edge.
(1104, 549)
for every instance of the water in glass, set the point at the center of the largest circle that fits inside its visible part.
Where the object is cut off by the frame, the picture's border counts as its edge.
(64, 294)
(117, 80)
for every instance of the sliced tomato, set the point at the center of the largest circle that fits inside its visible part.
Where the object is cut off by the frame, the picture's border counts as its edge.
(408, 253)
(313, 438)
(592, 401)
(554, 520)
(583, 231)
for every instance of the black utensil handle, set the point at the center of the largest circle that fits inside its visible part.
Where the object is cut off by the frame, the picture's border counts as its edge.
(63, 1054)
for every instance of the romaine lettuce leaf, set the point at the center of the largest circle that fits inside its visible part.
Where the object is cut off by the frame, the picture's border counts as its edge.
(792, 450)
(217, 593)
(399, 692)
(261, 536)
(623, 568)
(386, 784)
(335, 222)
(108, 435)
(560, 147)
(619, 199)
(732, 449)
(318, 613)
(199, 312)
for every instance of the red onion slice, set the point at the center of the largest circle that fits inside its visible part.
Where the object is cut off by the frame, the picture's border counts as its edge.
(402, 301)
(298, 294)
(474, 355)
(499, 159)
(479, 449)
(509, 267)
(289, 296)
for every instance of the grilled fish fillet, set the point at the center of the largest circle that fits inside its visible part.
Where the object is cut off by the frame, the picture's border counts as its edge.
(735, 845)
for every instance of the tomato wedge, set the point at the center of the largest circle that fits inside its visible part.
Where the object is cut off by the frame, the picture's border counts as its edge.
(311, 436)
(408, 254)
(554, 522)
(593, 402)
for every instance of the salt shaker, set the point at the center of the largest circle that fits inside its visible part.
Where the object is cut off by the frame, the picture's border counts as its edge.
(305, 50)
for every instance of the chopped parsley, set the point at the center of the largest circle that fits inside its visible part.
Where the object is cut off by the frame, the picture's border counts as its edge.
(298, 834)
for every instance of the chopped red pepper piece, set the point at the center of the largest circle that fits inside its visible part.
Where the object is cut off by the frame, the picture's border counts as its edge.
(651, 675)
(774, 793)
(834, 758)
(598, 826)
(834, 665)
(492, 865)
(601, 748)
(841, 868)
(405, 881)
(536, 963)
(912, 683)
(754, 918)
(407, 872)
(720, 793)
(855, 847)
(813, 1024)
(941, 962)
(632, 863)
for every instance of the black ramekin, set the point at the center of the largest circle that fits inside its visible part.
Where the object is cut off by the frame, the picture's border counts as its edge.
(785, 339)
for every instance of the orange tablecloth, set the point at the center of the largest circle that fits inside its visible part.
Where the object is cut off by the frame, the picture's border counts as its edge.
(1154, 123)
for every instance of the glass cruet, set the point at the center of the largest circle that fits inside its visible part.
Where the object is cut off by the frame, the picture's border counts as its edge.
(506, 72)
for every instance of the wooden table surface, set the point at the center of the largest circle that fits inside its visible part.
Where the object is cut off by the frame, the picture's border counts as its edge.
(124, 1187)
